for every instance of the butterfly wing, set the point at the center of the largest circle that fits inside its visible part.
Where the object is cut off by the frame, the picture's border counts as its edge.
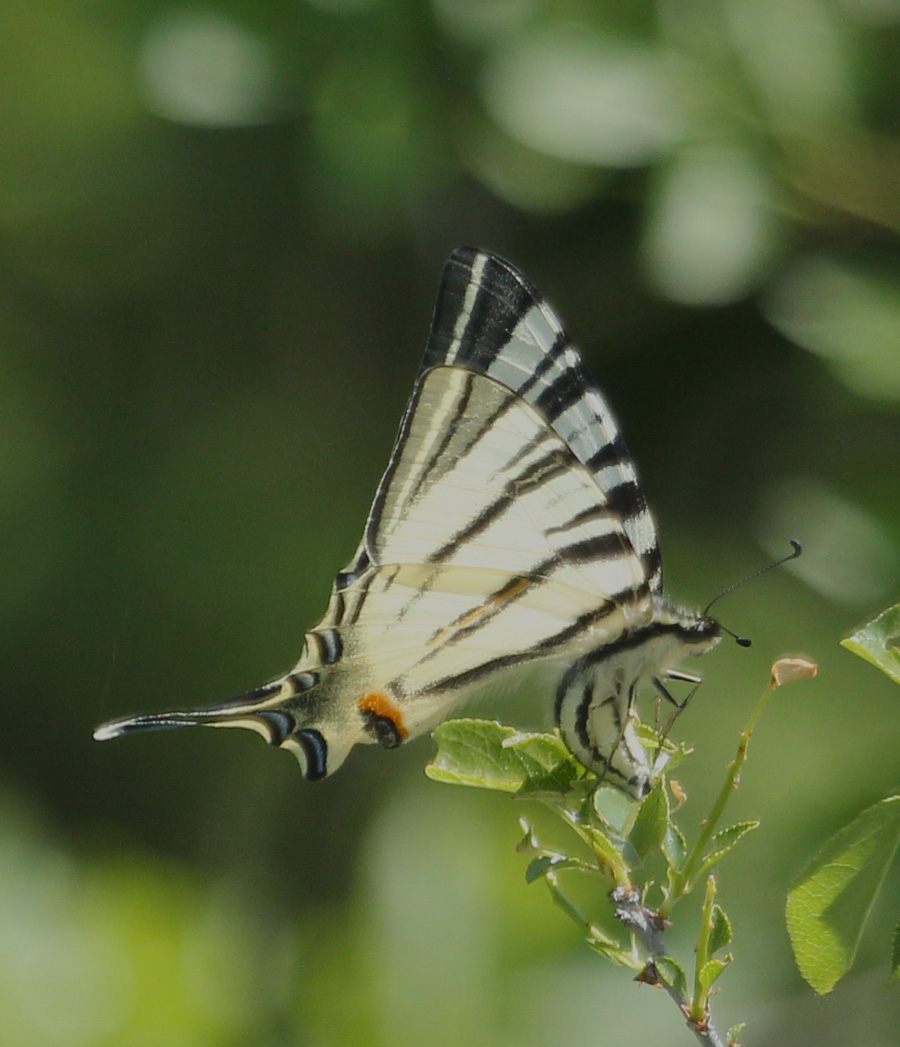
(508, 527)
(491, 320)
(514, 551)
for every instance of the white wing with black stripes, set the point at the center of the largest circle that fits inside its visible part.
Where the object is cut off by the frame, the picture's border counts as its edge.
(508, 529)
(490, 320)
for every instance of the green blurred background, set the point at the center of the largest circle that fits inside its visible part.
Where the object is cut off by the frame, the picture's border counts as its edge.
(222, 232)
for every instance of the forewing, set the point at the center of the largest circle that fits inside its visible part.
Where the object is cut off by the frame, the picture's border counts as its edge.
(492, 321)
(489, 544)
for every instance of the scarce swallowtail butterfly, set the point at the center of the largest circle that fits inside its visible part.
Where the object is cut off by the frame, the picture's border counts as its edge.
(508, 529)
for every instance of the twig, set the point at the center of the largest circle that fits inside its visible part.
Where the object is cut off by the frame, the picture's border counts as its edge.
(649, 927)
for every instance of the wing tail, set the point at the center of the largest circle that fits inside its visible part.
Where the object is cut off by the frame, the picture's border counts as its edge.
(274, 711)
(221, 714)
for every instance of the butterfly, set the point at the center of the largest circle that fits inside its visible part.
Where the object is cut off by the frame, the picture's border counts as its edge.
(509, 529)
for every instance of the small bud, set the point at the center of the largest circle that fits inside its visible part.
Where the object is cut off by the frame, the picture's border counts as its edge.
(649, 975)
(528, 844)
(787, 670)
(677, 790)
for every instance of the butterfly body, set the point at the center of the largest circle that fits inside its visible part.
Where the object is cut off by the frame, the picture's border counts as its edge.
(509, 530)
(596, 697)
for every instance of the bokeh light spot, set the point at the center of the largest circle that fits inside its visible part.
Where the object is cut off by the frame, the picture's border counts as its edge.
(583, 97)
(203, 69)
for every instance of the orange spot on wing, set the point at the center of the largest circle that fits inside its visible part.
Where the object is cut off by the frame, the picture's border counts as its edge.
(380, 704)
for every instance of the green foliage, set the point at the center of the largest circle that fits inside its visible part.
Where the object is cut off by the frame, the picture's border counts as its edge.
(895, 953)
(879, 642)
(715, 932)
(720, 930)
(652, 822)
(674, 847)
(220, 266)
(620, 847)
(723, 842)
(488, 755)
(734, 1033)
(831, 899)
(708, 974)
(672, 971)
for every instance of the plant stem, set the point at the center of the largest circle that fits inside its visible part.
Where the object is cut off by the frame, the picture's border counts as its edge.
(700, 1005)
(649, 928)
(681, 881)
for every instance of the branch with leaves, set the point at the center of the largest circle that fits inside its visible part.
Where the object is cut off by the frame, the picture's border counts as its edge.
(633, 854)
(830, 901)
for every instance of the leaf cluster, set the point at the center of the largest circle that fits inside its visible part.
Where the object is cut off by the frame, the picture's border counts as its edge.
(830, 901)
(634, 853)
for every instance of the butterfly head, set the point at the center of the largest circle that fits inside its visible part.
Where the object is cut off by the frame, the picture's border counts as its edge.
(687, 631)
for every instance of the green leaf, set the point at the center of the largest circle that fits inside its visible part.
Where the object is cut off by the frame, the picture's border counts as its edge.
(610, 948)
(895, 953)
(674, 847)
(607, 853)
(829, 903)
(879, 642)
(489, 755)
(612, 806)
(651, 822)
(547, 749)
(720, 931)
(734, 1032)
(672, 972)
(710, 972)
(559, 768)
(539, 867)
(651, 741)
(723, 842)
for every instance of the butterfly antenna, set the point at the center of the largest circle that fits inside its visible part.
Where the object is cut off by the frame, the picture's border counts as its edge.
(741, 641)
(796, 550)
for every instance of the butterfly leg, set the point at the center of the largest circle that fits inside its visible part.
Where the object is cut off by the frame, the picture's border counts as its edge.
(679, 707)
(664, 692)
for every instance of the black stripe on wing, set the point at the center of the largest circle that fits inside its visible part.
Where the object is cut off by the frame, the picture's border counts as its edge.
(438, 452)
(539, 472)
(468, 331)
(564, 392)
(613, 453)
(471, 621)
(548, 645)
(481, 304)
